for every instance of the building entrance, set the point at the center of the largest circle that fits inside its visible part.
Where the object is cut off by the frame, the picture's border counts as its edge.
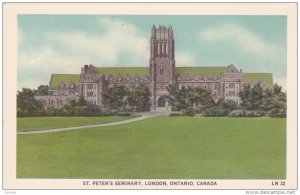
(161, 102)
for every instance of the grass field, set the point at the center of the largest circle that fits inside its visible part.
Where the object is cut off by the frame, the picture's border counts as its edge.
(37, 123)
(160, 148)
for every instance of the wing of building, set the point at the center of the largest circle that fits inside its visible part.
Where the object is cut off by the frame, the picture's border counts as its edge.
(224, 82)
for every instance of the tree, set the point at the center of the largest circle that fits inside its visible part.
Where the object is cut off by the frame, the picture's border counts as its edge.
(139, 98)
(271, 101)
(252, 96)
(277, 89)
(26, 104)
(81, 102)
(189, 97)
(178, 98)
(42, 90)
(198, 96)
(274, 102)
(227, 105)
(116, 97)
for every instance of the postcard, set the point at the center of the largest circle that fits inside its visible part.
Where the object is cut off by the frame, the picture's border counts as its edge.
(150, 96)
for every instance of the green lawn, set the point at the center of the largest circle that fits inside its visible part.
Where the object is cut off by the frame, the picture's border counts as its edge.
(161, 148)
(37, 123)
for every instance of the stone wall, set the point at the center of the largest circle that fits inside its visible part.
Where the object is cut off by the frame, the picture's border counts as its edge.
(56, 101)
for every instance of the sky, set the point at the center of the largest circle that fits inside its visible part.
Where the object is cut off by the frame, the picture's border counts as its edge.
(62, 44)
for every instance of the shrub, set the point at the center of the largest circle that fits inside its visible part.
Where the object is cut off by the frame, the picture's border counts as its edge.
(237, 113)
(254, 113)
(245, 113)
(189, 112)
(179, 113)
(123, 114)
(183, 113)
(277, 113)
(215, 111)
(176, 114)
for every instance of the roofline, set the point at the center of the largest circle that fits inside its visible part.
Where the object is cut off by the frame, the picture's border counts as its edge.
(258, 73)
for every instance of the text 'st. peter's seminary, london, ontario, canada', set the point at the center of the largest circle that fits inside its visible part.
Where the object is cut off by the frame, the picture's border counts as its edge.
(224, 81)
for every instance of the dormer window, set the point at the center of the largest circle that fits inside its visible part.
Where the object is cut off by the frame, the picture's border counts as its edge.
(128, 77)
(119, 78)
(111, 77)
(62, 85)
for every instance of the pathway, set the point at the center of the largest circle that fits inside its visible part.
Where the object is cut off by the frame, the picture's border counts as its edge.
(85, 126)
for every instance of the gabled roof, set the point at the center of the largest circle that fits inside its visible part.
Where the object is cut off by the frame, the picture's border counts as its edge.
(266, 78)
(66, 78)
(123, 71)
(200, 70)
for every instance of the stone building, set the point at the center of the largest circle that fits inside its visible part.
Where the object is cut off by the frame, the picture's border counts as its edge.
(224, 82)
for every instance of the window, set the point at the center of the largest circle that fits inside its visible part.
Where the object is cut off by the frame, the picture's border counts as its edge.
(90, 86)
(90, 94)
(158, 48)
(161, 70)
(231, 93)
(232, 85)
(166, 45)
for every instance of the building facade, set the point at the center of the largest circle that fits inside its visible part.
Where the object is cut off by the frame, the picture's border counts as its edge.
(224, 82)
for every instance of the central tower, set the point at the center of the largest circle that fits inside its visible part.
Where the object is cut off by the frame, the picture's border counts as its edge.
(162, 64)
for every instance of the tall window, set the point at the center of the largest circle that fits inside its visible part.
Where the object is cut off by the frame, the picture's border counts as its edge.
(90, 94)
(231, 93)
(231, 85)
(90, 86)
(158, 48)
(166, 48)
(161, 70)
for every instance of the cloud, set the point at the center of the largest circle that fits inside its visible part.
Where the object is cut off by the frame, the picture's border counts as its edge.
(239, 36)
(35, 68)
(107, 49)
(185, 59)
(67, 52)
